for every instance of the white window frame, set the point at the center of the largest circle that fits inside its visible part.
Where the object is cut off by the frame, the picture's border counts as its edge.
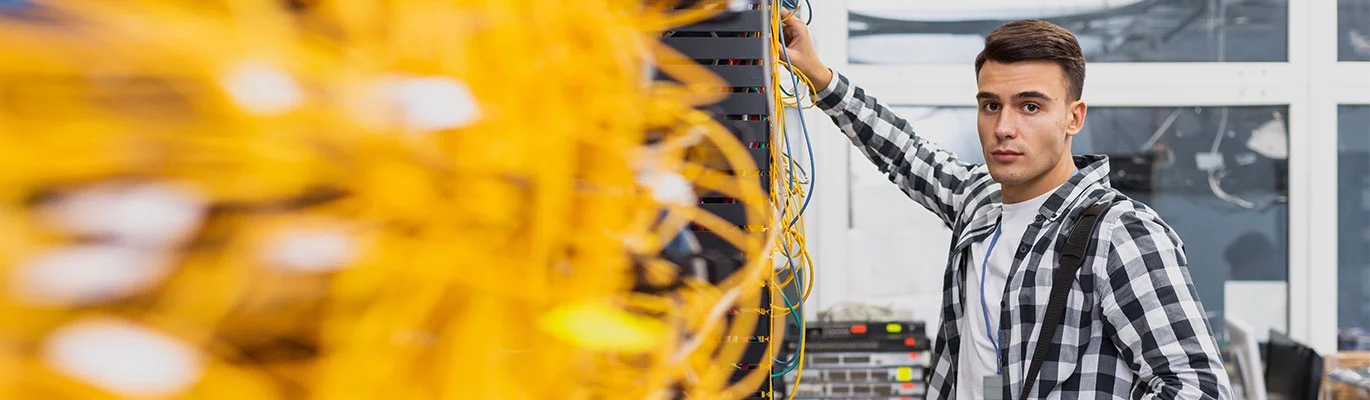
(1312, 84)
(1333, 84)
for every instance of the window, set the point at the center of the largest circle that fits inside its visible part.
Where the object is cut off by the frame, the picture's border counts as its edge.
(1353, 33)
(1108, 30)
(1219, 177)
(1353, 217)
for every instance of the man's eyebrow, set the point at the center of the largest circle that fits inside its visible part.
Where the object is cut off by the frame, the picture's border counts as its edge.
(987, 96)
(1032, 94)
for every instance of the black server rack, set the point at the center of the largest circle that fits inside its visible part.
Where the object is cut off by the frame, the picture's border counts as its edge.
(735, 45)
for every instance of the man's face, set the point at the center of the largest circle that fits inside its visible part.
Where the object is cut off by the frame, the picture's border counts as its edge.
(1026, 119)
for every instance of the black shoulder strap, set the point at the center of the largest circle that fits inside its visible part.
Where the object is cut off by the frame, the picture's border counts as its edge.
(1071, 259)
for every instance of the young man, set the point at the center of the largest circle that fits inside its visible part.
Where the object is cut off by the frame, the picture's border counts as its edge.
(1133, 325)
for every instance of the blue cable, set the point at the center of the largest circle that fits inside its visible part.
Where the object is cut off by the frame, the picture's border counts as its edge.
(788, 155)
(794, 78)
(794, 310)
(807, 21)
(794, 313)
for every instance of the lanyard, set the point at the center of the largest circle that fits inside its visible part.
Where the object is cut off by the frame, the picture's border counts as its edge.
(990, 331)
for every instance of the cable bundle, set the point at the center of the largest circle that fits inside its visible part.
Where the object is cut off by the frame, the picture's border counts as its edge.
(359, 199)
(789, 193)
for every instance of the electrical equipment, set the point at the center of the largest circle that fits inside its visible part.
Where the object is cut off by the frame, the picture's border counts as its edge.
(735, 46)
(876, 337)
(861, 360)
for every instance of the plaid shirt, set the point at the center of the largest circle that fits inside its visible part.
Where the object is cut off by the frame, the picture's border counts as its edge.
(1133, 326)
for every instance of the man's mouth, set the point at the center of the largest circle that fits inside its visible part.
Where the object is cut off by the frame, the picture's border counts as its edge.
(1006, 156)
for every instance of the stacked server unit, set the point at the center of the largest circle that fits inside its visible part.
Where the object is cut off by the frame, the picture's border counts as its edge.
(735, 45)
(885, 360)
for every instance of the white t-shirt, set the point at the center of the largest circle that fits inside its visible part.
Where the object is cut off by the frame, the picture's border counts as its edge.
(977, 359)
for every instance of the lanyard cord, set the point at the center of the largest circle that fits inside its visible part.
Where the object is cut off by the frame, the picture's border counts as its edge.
(989, 331)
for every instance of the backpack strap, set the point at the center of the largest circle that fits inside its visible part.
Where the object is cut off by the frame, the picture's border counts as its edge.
(1072, 257)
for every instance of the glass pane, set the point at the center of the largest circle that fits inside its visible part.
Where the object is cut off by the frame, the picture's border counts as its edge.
(1230, 209)
(1353, 216)
(1108, 30)
(1353, 35)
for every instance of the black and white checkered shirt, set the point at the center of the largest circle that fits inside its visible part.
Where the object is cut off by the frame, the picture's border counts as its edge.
(1133, 326)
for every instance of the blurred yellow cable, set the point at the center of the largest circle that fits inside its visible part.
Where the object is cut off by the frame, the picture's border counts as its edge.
(364, 199)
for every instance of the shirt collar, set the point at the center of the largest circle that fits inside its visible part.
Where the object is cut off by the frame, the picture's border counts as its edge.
(1091, 170)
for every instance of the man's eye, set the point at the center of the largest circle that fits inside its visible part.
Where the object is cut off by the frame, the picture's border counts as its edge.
(991, 107)
(1032, 108)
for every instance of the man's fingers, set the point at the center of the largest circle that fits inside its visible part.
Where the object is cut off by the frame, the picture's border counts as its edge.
(793, 28)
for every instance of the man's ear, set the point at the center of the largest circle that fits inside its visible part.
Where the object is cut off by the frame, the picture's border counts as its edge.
(1076, 117)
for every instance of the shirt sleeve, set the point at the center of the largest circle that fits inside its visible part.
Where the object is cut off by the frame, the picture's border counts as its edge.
(1153, 313)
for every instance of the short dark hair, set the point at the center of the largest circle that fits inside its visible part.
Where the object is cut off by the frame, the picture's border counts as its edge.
(1033, 40)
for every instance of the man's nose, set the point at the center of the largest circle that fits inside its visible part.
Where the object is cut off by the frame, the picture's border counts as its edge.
(1006, 127)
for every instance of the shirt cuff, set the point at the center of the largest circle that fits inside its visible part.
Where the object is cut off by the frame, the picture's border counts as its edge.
(832, 84)
(833, 94)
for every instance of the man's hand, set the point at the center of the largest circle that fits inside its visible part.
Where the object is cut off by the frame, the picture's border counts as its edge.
(801, 53)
